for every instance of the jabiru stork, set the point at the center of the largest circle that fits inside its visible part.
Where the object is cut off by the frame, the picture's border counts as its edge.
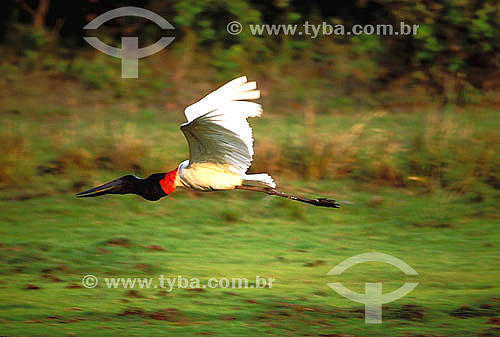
(220, 151)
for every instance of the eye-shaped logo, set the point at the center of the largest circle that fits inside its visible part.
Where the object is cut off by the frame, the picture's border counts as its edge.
(130, 53)
(373, 297)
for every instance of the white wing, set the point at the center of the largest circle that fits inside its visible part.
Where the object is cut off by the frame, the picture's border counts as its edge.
(217, 130)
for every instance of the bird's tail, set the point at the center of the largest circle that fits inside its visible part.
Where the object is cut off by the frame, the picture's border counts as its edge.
(261, 179)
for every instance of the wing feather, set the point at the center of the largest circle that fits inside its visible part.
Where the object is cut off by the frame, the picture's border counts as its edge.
(217, 130)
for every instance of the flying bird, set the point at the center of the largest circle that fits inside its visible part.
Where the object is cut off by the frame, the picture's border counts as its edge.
(220, 151)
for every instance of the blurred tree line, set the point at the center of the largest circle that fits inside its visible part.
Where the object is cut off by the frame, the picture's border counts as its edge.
(455, 55)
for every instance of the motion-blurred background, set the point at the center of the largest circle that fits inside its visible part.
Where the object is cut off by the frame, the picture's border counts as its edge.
(402, 130)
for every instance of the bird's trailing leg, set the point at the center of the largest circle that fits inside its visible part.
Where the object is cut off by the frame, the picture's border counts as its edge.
(271, 191)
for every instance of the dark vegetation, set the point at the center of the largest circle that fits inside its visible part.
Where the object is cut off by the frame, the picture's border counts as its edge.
(453, 59)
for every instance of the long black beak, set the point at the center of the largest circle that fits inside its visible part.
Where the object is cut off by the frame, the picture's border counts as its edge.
(113, 187)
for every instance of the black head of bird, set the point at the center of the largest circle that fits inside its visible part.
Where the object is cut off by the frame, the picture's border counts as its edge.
(149, 188)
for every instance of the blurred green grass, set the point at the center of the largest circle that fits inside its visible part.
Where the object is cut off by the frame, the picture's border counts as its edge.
(67, 238)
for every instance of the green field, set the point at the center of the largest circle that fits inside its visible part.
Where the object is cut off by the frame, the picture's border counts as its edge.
(441, 218)
(52, 242)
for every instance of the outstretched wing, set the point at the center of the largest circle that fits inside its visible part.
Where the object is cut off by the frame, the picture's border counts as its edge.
(217, 130)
